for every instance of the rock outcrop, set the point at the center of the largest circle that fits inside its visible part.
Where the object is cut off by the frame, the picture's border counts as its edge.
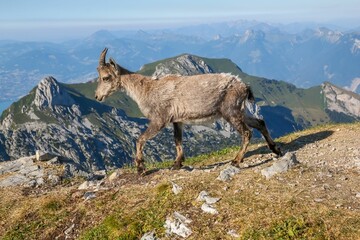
(341, 102)
(50, 93)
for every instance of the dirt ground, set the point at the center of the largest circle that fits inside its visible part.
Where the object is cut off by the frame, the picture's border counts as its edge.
(317, 199)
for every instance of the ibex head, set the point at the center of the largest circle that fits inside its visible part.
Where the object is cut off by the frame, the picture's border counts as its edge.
(109, 77)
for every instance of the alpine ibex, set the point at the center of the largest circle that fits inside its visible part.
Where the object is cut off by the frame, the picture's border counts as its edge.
(177, 99)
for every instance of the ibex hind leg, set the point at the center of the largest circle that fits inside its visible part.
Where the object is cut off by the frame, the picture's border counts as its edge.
(260, 125)
(150, 132)
(246, 134)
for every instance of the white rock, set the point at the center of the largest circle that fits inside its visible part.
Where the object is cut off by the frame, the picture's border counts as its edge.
(115, 175)
(44, 156)
(176, 188)
(282, 165)
(204, 196)
(177, 225)
(89, 185)
(40, 181)
(70, 229)
(54, 179)
(149, 236)
(89, 195)
(84, 185)
(53, 161)
(209, 209)
(13, 180)
(228, 173)
(181, 217)
(233, 233)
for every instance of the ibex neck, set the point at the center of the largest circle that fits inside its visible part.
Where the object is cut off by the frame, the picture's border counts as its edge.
(135, 86)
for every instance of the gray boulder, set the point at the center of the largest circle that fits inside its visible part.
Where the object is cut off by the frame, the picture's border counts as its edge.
(227, 174)
(281, 165)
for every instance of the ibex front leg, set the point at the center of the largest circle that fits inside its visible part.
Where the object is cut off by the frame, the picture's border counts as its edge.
(178, 143)
(150, 132)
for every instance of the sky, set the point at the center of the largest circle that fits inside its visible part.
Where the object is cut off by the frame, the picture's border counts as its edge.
(56, 19)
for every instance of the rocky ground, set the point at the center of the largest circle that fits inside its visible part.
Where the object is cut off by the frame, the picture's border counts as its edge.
(311, 193)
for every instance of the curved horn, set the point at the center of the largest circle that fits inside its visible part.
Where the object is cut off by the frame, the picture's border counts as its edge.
(102, 57)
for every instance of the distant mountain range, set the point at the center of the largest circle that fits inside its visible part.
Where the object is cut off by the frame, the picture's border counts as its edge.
(305, 55)
(66, 120)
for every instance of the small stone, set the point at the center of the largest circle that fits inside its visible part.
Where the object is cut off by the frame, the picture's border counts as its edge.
(176, 188)
(89, 185)
(228, 173)
(39, 181)
(339, 205)
(318, 200)
(70, 229)
(54, 161)
(233, 233)
(115, 175)
(76, 195)
(149, 236)
(53, 179)
(89, 195)
(181, 217)
(176, 224)
(357, 195)
(44, 156)
(31, 183)
(282, 165)
(98, 175)
(204, 196)
(209, 209)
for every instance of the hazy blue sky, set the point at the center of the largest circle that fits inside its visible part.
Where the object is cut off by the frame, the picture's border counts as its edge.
(42, 18)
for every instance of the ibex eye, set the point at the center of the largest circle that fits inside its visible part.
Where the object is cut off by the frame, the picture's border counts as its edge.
(106, 79)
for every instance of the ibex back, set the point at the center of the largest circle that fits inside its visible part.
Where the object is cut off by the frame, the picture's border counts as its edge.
(177, 99)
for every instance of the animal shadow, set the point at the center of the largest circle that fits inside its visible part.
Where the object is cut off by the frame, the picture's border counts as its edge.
(294, 145)
(302, 141)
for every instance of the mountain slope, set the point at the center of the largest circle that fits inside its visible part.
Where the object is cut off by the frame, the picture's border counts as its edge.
(65, 118)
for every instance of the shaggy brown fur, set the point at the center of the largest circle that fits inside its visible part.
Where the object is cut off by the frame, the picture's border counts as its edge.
(177, 99)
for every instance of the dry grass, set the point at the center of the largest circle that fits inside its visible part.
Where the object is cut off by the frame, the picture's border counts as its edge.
(311, 201)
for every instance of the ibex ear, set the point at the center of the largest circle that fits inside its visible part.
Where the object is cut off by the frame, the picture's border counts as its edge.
(115, 67)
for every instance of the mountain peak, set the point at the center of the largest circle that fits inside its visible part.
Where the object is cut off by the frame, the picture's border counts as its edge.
(252, 35)
(340, 100)
(50, 93)
(185, 64)
(330, 35)
(101, 36)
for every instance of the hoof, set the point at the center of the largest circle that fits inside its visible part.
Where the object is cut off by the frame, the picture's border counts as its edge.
(176, 167)
(235, 164)
(276, 150)
(279, 152)
(141, 170)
